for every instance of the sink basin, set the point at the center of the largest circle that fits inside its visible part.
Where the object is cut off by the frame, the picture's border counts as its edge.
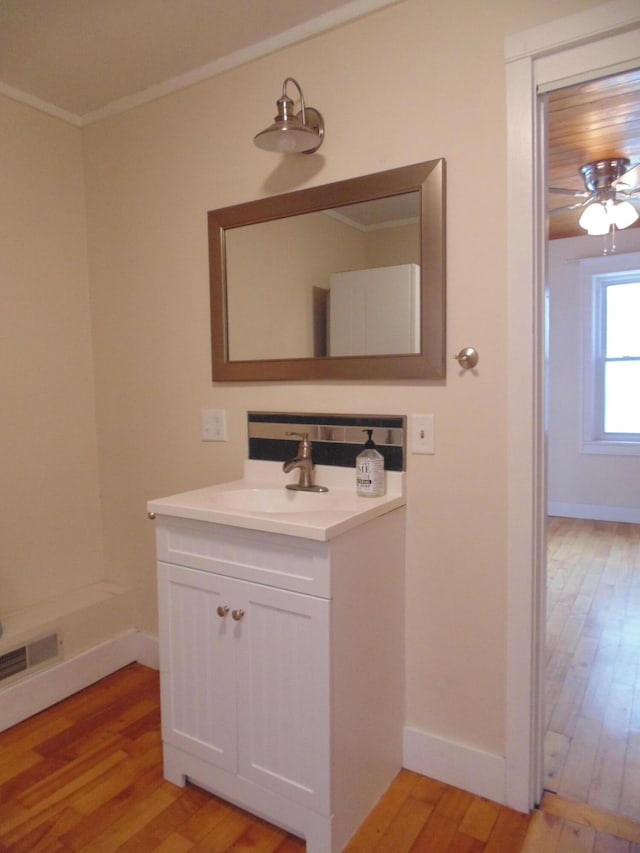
(280, 500)
(261, 502)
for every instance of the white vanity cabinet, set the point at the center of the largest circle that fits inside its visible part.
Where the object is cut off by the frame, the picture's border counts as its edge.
(247, 681)
(281, 664)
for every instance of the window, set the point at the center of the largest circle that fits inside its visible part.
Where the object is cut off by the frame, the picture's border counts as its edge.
(612, 375)
(621, 357)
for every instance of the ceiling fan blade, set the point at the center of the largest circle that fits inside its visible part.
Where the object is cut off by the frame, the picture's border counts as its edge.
(574, 193)
(566, 207)
(630, 181)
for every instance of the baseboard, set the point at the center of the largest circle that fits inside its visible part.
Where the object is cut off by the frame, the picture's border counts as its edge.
(25, 698)
(628, 515)
(473, 770)
(147, 650)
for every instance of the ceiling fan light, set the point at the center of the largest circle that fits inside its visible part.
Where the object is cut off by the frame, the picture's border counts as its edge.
(623, 214)
(595, 219)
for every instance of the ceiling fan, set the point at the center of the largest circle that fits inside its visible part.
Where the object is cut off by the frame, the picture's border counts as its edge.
(612, 188)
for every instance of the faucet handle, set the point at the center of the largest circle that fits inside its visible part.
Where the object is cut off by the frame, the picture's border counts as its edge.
(304, 447)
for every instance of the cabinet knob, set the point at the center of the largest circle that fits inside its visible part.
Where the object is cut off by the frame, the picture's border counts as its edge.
(237, 614)
(151, 515)
(222, 611)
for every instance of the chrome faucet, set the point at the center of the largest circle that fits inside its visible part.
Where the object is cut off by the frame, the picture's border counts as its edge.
(304, 462)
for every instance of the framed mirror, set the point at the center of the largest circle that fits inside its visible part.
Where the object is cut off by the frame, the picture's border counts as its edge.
(342, 281)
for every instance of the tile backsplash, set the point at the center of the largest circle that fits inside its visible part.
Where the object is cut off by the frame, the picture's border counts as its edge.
(337, 439)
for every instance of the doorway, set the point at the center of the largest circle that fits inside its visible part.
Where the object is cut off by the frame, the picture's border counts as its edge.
(593, 546)
(602, 40)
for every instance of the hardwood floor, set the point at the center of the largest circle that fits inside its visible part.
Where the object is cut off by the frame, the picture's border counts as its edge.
(592, 739)
(86, 775)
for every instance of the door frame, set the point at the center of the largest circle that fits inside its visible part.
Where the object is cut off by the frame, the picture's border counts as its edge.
(602, 40)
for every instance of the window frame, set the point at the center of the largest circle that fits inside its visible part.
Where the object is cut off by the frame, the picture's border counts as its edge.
(596, 275)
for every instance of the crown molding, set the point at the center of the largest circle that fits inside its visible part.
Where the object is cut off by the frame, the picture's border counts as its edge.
(37, 104)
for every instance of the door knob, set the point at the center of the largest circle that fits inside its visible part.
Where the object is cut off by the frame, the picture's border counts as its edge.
(237, 614)
(467, 358)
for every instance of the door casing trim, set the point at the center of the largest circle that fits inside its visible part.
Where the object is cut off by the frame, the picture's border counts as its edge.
(587, 45)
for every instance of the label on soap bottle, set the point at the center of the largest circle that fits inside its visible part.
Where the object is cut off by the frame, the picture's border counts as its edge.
(370, 476)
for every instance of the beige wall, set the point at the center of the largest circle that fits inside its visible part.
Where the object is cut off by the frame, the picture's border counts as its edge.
(51, 535)
(389, 246)
(410, 83)
(416, 81)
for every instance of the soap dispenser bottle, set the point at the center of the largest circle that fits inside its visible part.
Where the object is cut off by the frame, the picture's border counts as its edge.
(370, 470)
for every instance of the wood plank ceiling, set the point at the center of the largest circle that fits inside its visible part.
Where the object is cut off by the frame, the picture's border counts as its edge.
(596, 120)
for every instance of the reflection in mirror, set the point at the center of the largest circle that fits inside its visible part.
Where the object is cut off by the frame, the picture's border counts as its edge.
(308, 305)
(340, 281)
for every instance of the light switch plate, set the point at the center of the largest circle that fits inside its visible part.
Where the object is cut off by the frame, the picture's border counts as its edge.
(422, 434)
(214, 425)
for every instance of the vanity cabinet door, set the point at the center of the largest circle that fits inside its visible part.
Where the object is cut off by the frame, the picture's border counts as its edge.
(197, 664)
(284, 694)
(245, 680)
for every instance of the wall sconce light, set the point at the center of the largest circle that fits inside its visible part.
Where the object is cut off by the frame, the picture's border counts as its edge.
(301, 132)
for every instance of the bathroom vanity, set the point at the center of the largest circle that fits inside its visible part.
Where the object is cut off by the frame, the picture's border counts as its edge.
(281, 647)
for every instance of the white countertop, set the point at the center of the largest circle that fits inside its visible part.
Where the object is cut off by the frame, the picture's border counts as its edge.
(260, 501)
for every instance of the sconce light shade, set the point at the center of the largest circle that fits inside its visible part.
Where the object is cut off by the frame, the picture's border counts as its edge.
(302, 132)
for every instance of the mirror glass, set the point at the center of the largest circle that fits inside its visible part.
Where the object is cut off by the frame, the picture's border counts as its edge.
(300, 262)
(340, 281)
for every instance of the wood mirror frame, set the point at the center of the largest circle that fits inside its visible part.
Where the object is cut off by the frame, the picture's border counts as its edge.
(429, 179)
